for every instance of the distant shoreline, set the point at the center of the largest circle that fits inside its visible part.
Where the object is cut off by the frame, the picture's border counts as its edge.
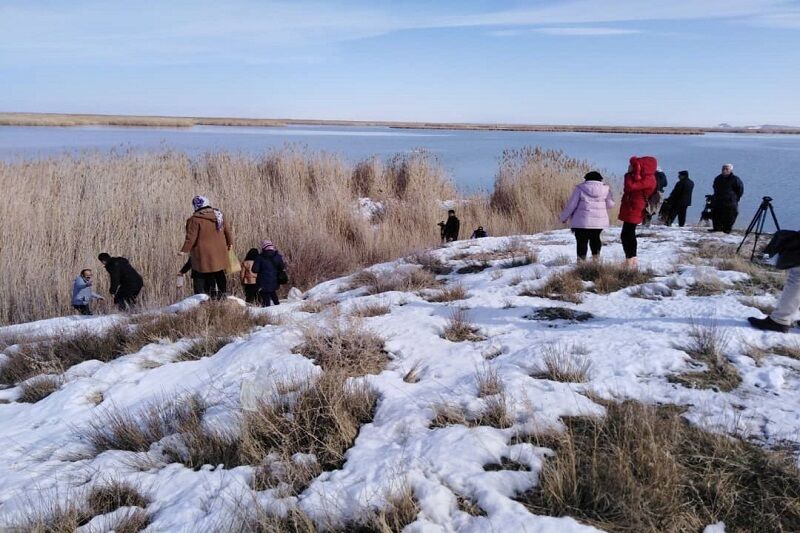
(73, 120)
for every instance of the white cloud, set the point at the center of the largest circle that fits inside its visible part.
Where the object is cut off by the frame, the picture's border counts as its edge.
(585, 31)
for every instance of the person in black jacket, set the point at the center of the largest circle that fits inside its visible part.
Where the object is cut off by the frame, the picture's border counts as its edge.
(680, 199)
(786, 244)
(728, 190)
(126, 283)
(269, 267)
(661, 180)
(451, 227)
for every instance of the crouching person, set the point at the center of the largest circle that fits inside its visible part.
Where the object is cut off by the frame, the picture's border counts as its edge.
(126, 283)
(82, 292)
(270, 273)
(786, 244)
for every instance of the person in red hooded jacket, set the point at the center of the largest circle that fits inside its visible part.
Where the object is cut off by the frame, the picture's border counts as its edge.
(640, 184)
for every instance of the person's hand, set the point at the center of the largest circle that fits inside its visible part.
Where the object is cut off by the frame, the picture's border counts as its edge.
(181, 253)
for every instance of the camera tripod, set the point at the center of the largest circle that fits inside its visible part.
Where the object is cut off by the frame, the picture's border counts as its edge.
(757, 224)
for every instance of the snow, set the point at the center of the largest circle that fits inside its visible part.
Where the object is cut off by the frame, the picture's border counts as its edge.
(631, 344)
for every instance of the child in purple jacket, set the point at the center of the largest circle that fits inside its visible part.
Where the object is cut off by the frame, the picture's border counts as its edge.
(587, 209)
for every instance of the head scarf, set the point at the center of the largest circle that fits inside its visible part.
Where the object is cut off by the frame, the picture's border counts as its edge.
(200, 202)
(266, 245)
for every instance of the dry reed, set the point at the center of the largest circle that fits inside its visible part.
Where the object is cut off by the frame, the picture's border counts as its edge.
(135, 204)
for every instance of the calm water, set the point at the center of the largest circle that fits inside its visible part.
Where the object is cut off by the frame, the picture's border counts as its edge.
(768, 164)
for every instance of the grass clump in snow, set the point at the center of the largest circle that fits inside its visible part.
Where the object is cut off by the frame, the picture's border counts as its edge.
(495, 413)
(565, 363)
(54, 516)
(209, 319)
(321, 420)
(525, 258)
(385, 281)
(449, 294)
(370, 310)
(707, 346)
(349, 348)
(640, 468)
(459, 328)
(136, 431)
(317, 306)
(39, 388)
(611, 277)
(488, 381)
(203, 347)
(707, 285)
(474, 266)
(559, 286)
(791, 350)
(430, 263)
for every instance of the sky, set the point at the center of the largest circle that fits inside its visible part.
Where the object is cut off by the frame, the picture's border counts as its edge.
(613, 62)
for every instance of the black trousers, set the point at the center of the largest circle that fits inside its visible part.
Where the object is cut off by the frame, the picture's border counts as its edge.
(629, 245)
(215, 284)
(268, 297)
(586, 238)
(724, 218)
(126, 297)
(82, 309)
(678, 212)
(251, 293)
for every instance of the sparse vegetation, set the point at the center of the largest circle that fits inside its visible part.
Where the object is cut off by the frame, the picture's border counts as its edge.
(39, 388)
(384, 281)
(707, 346)
(474, 266)
(349, 348)
(53, 356)
(450, 293)
(559, 313)
(317, 306)
(562, 285)
(431, 263)
(488, 381)
(645, 469)
(371, 309)
(611, 277)
(567, 363)
(459, 328)
(203, 347)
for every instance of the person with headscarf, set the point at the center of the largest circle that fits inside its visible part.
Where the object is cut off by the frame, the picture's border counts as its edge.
(208, 239)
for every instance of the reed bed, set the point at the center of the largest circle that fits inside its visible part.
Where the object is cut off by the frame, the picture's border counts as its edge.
(60, 212)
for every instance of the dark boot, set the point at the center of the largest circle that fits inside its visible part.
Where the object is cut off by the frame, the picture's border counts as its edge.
(767, 324)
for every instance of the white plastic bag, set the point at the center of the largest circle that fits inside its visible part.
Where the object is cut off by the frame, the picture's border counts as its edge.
(179, 281)
(294, 295)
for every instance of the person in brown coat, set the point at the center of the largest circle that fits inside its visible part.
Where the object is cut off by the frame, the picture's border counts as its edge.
(208, 240)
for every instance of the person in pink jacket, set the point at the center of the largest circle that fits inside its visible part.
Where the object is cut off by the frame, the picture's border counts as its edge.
(587, 211)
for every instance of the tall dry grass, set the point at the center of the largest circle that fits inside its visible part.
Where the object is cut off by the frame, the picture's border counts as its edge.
(60, 212)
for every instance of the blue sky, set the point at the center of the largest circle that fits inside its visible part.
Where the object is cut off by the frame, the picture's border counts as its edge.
(679, 62)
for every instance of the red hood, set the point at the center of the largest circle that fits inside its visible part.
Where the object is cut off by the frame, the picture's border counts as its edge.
(644, 166)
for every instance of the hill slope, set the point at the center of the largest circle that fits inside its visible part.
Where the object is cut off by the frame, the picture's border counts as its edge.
(451, 441)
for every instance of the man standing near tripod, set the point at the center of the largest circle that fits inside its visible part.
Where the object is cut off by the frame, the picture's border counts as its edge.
(728, 190)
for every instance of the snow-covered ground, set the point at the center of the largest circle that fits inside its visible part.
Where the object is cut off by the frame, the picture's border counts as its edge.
(630, 343)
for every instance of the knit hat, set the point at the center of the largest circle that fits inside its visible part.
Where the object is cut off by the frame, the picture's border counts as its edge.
(683, 174)
(593, 176)
(199, 202)
(267, 245)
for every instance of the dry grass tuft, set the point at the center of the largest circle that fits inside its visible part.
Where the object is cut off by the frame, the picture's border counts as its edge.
(39, 388)
(563, 286)
(380, 282)
(370, 310)
(791, 350)
(564, 363)
(521, 258)
(209, 319)
(322, 420)
(430, 263)
(460, 329)
(400, 510)
(708, 345)
(496, 413)
(348, 348)
(611, 277)
(447, 414)
(489, 382)
(204, 347)
(708, 285)
(110, 496)
(451, 293)
(645, 469)
(317, 306)
(136, 431)
(413, 374)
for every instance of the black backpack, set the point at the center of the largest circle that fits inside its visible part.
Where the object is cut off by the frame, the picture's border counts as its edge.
(281, 276)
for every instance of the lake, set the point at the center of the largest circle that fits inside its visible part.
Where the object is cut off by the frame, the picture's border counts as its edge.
(768, 164)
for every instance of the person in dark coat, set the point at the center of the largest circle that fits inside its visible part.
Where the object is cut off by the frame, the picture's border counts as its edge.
(451, 227)
(680, 199)
(728, 190)
(479, 233)
(267, 266)
(126, 283)
(786, 244)
(661, 181)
